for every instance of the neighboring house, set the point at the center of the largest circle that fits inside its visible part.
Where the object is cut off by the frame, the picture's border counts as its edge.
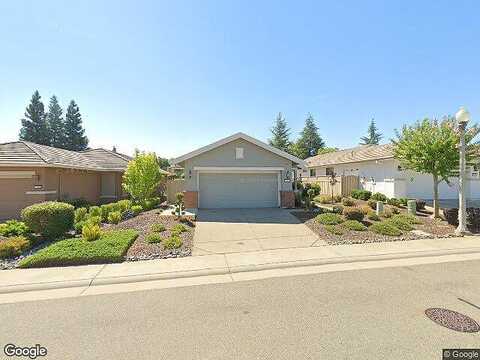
(31, 173)
(380, 172)
(239, 172)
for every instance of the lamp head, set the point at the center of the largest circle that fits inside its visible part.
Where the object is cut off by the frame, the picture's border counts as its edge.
(462, 116)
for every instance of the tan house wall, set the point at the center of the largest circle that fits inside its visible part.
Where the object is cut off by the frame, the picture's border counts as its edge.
(50, 184)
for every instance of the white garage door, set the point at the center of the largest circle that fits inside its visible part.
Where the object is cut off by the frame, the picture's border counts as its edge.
(238, 191)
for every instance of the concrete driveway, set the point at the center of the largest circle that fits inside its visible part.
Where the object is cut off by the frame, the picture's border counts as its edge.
(223, 231)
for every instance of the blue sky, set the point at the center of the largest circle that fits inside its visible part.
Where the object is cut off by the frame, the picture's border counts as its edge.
(171, 76)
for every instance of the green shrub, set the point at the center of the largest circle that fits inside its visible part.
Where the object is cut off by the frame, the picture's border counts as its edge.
(91, 232)
(408, 218)
(373, 216)
(365, 209)
(51, 219)
(179, 228)
(353, 213)
(337, 209)
(95, 211)
(403, 201)
(385, 228)
(148, 204)
(14, 228)
(157, 228)
(95, 220)
(114, 217)
(335, 229)
(106, 209)
(80, 214)
(310, 186)
(387, 213)
(348, 202)
(124, 205)
(137, 209)
(361, 194)
(111, 247)
(394, 202)
(173, 242)
(372, 203)
(322, 199)
(77, 203)
(354, 225)
(379, 197)
(154, 238)
(400, 223)
(78, 226)
(13, 246)
(329, 219)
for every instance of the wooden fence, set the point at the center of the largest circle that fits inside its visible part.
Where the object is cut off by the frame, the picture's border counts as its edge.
(173, 187)
(344, 186)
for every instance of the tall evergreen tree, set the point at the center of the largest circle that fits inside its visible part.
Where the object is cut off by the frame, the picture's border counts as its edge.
(55, 123)
(34, 125)
(75, 138)
(281, 133)
(309, 142)
(373, 137)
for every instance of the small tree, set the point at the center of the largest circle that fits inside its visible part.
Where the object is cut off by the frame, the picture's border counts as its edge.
(373, 137)
(280, 133)
(179, 203)
(310, 141)
(75, 138)
(142, 177)
(56, 124)
(431, 147)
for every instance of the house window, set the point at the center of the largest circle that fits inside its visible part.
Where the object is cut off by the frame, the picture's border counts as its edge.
(238, 153)
(313, 172)
(329, 171)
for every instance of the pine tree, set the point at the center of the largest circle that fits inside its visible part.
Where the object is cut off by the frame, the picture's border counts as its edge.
(281, 134)
(75, 138)
(309, 142)
(34, 125)
(56, 124)
(373, 137)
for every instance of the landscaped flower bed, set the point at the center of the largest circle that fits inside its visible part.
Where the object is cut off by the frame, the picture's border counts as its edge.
(353, 221)
(160, 236)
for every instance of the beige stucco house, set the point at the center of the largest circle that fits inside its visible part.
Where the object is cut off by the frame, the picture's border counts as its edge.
(238, 171)
(31, 173)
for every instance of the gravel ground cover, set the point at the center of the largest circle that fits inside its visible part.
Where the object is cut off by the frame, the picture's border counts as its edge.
(142, 249)
(429, 228)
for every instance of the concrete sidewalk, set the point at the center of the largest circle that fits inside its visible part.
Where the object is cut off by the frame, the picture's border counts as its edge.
(85, 277)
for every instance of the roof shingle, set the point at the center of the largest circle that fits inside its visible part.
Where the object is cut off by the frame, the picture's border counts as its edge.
(356, 154)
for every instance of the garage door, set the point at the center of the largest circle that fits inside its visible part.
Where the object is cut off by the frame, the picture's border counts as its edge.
(238, 191)
(13, 198)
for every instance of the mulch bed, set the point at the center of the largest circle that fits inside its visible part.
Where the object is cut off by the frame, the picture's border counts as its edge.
(142, 250)
(435, 228)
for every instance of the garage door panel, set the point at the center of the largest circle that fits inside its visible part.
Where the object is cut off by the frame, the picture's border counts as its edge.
(238, 190)
(13, 197)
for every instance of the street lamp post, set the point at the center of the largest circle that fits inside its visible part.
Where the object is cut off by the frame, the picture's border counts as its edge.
(462, 117)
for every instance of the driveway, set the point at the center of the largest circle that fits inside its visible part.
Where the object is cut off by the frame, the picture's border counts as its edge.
(223, 231)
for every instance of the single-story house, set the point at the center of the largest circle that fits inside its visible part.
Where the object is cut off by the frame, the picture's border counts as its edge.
(379, 171)
(238, 172)
(32, 173)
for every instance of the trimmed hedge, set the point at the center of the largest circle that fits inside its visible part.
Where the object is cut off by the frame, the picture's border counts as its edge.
(51, 219)
(379, 197)
(111, 247)
(335, 229)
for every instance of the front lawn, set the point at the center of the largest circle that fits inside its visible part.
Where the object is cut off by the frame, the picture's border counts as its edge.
(110, 248)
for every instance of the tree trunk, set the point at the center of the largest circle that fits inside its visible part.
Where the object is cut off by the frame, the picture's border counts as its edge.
(436, 206)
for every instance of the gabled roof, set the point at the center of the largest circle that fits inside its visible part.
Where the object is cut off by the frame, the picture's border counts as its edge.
(356, 154)
(25, 153)
(234, 137)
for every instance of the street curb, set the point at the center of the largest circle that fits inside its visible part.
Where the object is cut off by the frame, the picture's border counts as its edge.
(229, 270)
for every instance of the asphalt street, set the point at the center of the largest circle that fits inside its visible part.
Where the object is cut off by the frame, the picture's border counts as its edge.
(358, 314)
